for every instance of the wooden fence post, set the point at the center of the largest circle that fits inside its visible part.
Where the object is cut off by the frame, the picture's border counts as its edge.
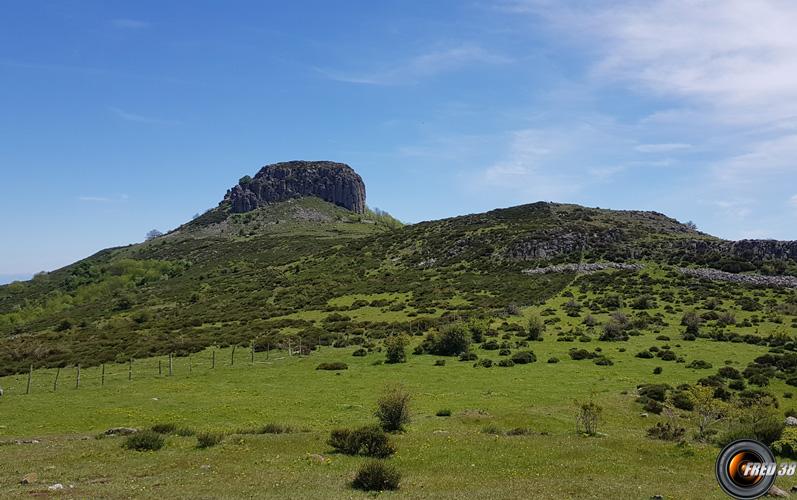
(171, 365)
(213, 359)
(190, 364)
(30, 377)
(130, 370)
(102, 377)
(232, 356)
(77, 378)
(160, 368)
(252, 347)
(55, 383)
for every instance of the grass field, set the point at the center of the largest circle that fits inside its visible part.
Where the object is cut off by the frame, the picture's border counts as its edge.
(439, 457)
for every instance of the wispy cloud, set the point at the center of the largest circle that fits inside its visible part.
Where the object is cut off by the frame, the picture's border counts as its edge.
(103, 199)
(662, 148)
(133, 117)
(130, 24)
(421, 66)
(793, 201)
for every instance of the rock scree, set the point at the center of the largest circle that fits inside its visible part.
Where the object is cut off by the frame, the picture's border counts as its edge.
(334, 182)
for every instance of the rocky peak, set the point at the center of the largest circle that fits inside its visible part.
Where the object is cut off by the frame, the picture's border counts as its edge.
(334, 182)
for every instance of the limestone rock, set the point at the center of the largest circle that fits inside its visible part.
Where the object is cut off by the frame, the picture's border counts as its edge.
(334, 182)
(791, 421)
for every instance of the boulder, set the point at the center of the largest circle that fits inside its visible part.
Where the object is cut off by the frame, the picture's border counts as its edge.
(791, 421)
(30, 478)
(120, 431)
(774, 491)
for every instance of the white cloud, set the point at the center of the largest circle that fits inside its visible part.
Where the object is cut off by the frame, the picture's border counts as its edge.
(103, 199)
(422, 66)
(793, 201)
(133, 117)
(662, 148)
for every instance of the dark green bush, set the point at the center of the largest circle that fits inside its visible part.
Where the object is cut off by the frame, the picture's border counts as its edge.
(666, 432)
(208, 439)
(393, 409)
(699, 364)
(524, 357)
(164, 428)
(337, 365)
(369, 441)
(359, 352)
(506, 363)
(658, 370)
(144, 441)
(376, 475)
(483, 363)
(443, 413)
(553, 360)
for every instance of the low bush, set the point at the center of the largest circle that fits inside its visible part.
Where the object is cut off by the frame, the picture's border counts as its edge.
(491, 429)
(519, 431)
(393, 409)
(443, 413)
(699, 364)
(553, 360)
(786, 445)
(524, 357)
(332, 366)
(164, 428)
(666, 432)
(376, 475)
(369, 441)
(208, 439)
(272, 428)
(658, 370)
(483, 363)
(440, 362)
(359, 352)
(506, 363)
(468, 356)
(144, 441)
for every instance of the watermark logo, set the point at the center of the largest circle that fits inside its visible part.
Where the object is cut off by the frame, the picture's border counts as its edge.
(746, 469)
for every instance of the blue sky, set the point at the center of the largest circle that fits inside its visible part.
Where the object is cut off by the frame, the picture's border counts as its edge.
(120, 117)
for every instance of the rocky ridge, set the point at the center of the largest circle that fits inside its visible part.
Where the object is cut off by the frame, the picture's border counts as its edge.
(334, 182)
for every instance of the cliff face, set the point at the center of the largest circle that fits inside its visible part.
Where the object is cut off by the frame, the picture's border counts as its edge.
(333, 182)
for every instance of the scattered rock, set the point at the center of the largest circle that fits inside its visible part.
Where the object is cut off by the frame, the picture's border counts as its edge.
(29, 478)
(205, 467)
(584, 268)
(791, 421)
(445, 433)
(27, 441)
(657, 497)
(120, 431)
(56, 487)
(774, 491)
(794, 489)
(643, 415)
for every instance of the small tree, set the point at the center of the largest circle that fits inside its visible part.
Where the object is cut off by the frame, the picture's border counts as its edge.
(393, 409)
(153, 234)
(452, 340)
(708, 411)
(536, 327)
(395, 349)
(691, 320)
(588, 418)
(245, 180)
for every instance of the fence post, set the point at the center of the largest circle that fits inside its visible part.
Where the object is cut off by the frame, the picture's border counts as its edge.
(30, 377)
(171, 365)
(213, 359)
(232, 356)
(160, 368)
(268, 349)
(252, 347)
(77, 378)
(190, 364)
(130, 370)
(102, 377)
(55, 383)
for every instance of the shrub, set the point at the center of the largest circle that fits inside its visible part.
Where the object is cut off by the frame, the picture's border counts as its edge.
(337, 365)
(376, 475)
(185, 431)
(392, 409)
(506, 363)
(164, 428)
(144, 441)
(682, 401)
(468, 356)
(208, 439)
(736, 385)
(491, 345)
(275, 429)
(603, 361)
(450, 341)
(395, 349)
(657, 370)
(729, 372)
(536, 328)
(369, 441)
(768, 430)
(443, 413)
(786, 446)
(440, 362)
(483, 363)
(666, 432)
(588, 418)
(524, 357)
(359, 352)
(656, 392)
(699, 364)
(653, 406)
(579, 354)
(553, 360)
(518, 431)
(504, 352)
(491, 429)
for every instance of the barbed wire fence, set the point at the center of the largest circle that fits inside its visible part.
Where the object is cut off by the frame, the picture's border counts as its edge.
(79, 377)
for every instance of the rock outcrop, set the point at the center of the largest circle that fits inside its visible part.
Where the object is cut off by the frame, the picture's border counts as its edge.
(333, 182)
